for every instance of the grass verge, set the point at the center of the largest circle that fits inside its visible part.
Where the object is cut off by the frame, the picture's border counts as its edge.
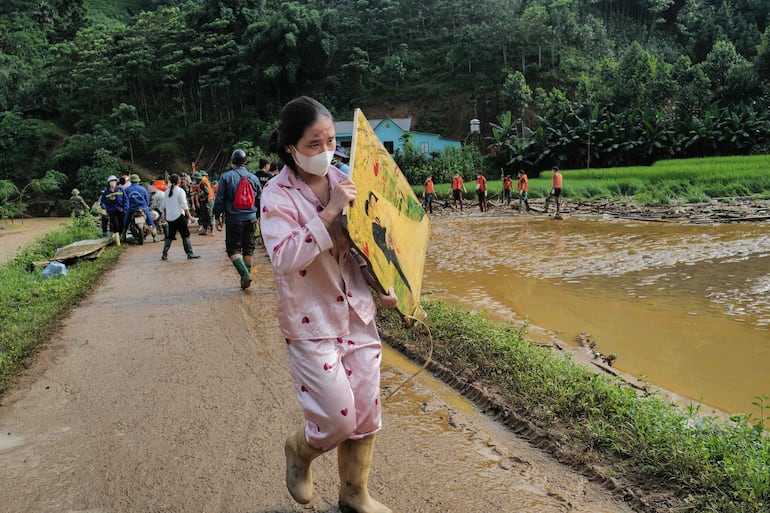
(703, 464)
(30, 306)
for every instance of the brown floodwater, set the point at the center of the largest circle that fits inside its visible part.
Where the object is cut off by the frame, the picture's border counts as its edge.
(17, 233)
(686, 307)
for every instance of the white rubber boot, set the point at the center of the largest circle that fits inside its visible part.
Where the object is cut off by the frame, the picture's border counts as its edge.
(355, 462)
(299, 477)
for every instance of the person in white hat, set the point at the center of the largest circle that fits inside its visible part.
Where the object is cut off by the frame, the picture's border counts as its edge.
(113, 202)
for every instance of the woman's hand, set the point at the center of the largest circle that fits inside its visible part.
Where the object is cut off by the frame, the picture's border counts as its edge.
(390, 300)
(342, 195)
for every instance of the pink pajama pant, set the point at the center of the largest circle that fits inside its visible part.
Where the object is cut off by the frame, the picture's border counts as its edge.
(338, 384)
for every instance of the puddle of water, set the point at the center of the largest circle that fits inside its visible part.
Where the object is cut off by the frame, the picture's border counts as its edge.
(9, 441)
(685, 306)
(470, 449)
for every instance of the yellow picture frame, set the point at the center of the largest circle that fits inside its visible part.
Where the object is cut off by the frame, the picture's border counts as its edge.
(387, 222)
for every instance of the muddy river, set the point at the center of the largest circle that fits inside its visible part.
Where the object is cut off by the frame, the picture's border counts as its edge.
(16, 234)
(686, 307)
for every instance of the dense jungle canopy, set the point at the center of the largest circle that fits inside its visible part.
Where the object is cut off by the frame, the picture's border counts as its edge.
(87, 86)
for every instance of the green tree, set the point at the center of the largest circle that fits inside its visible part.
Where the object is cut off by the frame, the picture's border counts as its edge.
(516, 95)
(693, 86)
(49, 183)
(7, 190)
(92, 178)
(128, 126)
(291, 47)
(731, 75)
(762, 60)
(24, 144)
(533, 32)
(69, 17)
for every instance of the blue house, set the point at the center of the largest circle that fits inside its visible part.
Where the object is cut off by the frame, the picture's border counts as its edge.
(389, 130)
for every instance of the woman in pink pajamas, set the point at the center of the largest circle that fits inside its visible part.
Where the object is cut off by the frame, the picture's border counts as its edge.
(325, 307)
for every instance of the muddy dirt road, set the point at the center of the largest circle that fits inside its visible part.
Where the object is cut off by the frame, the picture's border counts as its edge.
(167, 391)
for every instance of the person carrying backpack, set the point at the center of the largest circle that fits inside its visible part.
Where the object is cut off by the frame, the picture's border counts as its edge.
(236, 201)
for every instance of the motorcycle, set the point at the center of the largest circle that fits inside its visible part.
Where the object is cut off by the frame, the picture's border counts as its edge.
(136, 226)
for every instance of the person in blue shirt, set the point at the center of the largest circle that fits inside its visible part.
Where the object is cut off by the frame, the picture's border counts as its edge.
(136, 197)
(339, 160)
(113, 202)
(240, 221)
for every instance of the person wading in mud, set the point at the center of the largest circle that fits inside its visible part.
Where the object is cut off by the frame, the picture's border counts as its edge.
(507, 187)
(326, 311)
(458, 188)
(523, 186)
(556, 182)
(428, 193)
(481, 191)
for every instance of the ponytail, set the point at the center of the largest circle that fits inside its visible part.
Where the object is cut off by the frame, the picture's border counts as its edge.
(174, 179)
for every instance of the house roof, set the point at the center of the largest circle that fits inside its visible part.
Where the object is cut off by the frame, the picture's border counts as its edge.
(404, 124)
(346, 127)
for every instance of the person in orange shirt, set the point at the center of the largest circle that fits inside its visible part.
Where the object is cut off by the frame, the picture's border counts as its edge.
(556, 181)
(429, 192)
(458, 188)
(205, 201)
(507, 186)
(523, 186)
(481, 191)
(160, 184)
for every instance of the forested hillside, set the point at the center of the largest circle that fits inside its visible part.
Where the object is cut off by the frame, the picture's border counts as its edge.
(87, 85)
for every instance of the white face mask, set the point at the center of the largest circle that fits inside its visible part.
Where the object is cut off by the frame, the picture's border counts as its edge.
(317, 164)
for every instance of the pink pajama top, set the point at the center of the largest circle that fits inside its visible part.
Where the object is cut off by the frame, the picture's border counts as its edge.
(319, 284)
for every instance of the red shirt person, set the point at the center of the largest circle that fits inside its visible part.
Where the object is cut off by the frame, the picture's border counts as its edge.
(556, 181)
(481, 191)
(507, 187)
(429, 194)
(523, 187)
(457, 189)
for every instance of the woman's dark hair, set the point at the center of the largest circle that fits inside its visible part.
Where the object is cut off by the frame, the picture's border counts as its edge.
(369, 201)
(296, 116)
(174, 179)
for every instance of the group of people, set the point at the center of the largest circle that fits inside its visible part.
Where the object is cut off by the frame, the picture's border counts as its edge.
(120, 200)
(522, 185)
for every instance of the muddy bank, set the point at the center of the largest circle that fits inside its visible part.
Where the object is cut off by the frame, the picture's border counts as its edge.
(494, 404)
(718, 210)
